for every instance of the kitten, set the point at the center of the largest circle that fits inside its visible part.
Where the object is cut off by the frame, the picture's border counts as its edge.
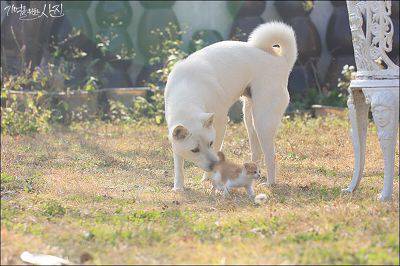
(228, 175)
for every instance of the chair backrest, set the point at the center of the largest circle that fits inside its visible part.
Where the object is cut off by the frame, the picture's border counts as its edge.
(371, 47)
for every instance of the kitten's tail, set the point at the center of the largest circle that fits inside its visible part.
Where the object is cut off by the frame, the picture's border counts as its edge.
(221, 156)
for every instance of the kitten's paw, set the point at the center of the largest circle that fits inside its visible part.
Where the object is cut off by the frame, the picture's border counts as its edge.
(206, 176)
(226, 194)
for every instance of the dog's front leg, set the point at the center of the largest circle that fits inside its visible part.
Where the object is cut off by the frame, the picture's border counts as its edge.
(227, 189)
(178, 168)
(220, 128)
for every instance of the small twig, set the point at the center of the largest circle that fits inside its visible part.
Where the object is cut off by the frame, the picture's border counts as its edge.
(315, 75)
(3, 52)
(20, 50)
(15, 38)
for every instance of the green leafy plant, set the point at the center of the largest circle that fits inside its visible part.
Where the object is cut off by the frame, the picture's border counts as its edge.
(103, 43)
(22, 116)
(166, 53)
(53, 209)
(47, 78)
(119, 112)
(308, 5)
(62, 73)
(348, 74)
(334, 97)
(89, 65)
(152, 108)
(91, 84)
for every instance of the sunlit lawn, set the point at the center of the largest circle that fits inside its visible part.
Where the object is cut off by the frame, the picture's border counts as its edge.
(105, 190)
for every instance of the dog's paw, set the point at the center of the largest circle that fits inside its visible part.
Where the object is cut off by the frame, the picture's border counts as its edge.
(384, 198)
(347, 190)
(178, 189)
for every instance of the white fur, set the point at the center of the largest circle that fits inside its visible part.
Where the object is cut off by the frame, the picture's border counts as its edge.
(212, 79)
(242, 180)
(267, 35)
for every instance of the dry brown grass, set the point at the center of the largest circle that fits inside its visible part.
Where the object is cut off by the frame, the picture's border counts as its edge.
(106, 190)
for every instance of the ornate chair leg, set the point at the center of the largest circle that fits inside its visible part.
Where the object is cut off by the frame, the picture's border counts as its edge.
(385, 110)
(358, 114)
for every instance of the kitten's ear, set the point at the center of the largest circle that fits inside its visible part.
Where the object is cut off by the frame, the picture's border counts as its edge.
(247, 166)
(207, 119)
(250, 166)
(221, 156)
(180, 132)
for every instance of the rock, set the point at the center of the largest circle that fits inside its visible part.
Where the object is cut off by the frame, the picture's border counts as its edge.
(88, 235)
(260, 199)
(85, 256)
(43, 259)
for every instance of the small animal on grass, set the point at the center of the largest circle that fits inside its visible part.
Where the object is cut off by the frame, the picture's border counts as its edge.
(201, 88)
(228, 175)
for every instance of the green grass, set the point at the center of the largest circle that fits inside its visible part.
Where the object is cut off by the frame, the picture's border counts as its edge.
(5, 178)
(105, 190)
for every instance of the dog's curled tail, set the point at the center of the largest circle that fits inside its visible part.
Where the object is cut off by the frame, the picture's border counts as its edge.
(221, 156)
(270, 34)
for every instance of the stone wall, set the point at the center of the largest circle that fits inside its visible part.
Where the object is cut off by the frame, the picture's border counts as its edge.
(321, 26)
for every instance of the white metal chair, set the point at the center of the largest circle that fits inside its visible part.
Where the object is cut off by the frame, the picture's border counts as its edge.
(376, 85)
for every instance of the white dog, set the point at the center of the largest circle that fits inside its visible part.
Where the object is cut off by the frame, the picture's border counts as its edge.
(201, 89)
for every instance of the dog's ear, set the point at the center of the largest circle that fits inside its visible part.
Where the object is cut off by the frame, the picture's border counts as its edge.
(207, 119)
(180, 132)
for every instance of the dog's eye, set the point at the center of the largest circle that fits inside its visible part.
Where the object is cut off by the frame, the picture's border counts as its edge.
(211, 143)
(195, 150)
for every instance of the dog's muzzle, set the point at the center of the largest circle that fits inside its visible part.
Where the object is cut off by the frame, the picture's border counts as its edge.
(211, 165)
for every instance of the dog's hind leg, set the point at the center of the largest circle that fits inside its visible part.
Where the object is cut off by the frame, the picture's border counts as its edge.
(255, 147)
(267, 115)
